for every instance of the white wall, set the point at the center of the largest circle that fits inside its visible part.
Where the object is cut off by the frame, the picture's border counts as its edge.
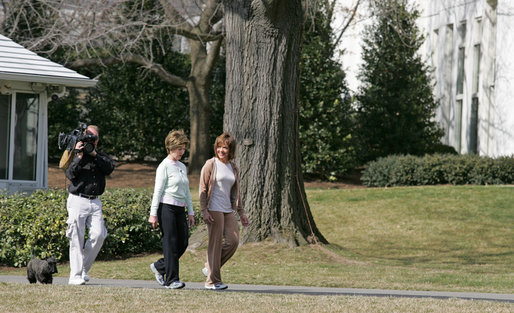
(502, 115)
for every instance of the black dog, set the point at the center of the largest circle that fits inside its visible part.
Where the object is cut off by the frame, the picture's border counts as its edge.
(41, 270)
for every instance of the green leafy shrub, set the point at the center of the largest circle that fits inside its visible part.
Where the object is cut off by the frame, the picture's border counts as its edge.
(405, 170)
(37, 223)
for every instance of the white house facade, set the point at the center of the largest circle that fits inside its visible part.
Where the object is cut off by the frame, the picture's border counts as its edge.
(26, 83)
(469, 45)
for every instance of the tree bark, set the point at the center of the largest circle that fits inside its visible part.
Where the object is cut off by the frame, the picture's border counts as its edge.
(198, 87)
(263, 42)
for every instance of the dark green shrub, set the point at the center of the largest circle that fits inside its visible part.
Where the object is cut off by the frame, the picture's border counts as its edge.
(38, 223)
(33, 223)
(126, 218)
(378, 173)
(404, 170)
(403, 173)
(458, 169)
(430, 169)
(505, 166)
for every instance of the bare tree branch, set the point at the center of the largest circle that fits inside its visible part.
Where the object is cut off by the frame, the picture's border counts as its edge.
(348, 22)
(155, 68)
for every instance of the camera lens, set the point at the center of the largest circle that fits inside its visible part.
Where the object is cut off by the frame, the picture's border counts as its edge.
(88, 147)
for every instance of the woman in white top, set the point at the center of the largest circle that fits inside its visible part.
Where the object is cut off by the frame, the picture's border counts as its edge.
(170, 197)
(219, 200)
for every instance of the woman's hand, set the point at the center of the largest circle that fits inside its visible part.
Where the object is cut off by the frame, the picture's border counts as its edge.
(191, 220)
(207, 218)
(244, 220)
(153, 220)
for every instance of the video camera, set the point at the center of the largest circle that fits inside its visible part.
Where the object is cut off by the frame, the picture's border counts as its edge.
(68, 141)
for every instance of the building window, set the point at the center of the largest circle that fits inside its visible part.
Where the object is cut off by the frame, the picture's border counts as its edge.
(473, 132)
(477, 54)
(5, 118)
(460, 70)
(475, 87)
(20, 150)
(461, 58)
(447, 65)
(458, 124)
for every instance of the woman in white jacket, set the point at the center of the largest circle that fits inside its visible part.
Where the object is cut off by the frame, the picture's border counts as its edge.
(170, 198)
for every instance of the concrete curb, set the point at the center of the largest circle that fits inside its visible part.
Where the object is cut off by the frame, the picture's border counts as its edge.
(150, 284)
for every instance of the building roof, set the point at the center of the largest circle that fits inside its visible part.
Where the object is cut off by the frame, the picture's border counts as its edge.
(20, 64)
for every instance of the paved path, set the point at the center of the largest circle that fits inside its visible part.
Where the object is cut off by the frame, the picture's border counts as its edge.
(287, 289)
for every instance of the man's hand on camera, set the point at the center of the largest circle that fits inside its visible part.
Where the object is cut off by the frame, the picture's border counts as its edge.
(78, 149)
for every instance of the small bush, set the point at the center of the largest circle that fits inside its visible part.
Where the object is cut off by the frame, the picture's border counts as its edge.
(37, 223)
(32, 224)
(405, 170)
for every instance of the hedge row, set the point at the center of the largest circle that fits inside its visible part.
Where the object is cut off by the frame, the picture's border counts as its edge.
(408, 170)
(37, 223)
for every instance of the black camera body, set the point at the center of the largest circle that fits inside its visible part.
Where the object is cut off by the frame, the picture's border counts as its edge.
(89, 143)
(68, 141)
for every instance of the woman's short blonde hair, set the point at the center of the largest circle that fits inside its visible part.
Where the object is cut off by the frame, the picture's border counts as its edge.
(176, 139)
(228, 139)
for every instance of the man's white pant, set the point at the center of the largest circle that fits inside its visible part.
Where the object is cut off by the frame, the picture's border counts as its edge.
(84, 213)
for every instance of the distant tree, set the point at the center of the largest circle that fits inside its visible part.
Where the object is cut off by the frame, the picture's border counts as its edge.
(395, 104)
(324, 124)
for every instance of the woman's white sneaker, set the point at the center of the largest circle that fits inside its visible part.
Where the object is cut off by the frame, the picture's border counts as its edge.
(158, 276)
(218, 286)
(176, 285)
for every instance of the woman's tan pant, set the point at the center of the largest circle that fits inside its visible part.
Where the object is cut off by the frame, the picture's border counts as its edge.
(223, 242)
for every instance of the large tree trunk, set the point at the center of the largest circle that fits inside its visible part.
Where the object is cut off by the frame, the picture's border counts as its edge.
(263, 42)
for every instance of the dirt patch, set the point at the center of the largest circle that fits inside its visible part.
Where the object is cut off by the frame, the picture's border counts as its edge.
(126, 175)
(142, 175)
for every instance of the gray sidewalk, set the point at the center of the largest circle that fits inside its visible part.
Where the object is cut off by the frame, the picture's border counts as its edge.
(285, 289)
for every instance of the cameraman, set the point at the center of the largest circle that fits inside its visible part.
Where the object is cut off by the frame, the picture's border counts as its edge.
(87, 174)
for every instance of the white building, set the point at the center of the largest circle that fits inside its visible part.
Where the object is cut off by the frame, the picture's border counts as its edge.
(469, 44)
(26, 82)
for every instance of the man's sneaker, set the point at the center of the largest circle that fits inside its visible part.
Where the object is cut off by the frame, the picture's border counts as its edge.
(205, 271)
(218, 286)
(85, 277)
(158, 276)
(176, 285)
(76, 281)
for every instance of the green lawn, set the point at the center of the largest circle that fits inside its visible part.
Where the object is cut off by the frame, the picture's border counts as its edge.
(453, 238)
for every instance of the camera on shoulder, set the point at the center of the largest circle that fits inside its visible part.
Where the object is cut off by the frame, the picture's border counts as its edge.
(68, 141)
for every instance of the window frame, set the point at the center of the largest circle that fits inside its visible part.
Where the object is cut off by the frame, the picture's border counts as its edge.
(40, 140)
